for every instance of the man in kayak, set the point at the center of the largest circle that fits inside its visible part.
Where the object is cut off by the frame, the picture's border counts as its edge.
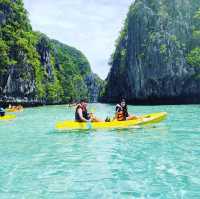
(82, 115)
(121, 112)
(2, 112)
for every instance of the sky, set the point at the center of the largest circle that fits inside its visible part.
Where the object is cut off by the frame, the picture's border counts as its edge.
(91, 26)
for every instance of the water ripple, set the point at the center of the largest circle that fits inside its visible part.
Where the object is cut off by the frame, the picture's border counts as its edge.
(155, 162)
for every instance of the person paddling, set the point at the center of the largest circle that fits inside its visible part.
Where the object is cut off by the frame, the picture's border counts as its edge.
(2, 112)
(82, 115)
(121, 112)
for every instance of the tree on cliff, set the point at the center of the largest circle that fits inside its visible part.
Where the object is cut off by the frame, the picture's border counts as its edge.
(194, 56)
(157, 54)
(34, 67)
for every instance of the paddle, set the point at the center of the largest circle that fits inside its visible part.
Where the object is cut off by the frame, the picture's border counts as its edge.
(89, 124)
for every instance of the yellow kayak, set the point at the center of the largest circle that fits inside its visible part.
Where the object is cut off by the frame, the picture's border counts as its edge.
(145, 119)
(13, 110)
(7, 117)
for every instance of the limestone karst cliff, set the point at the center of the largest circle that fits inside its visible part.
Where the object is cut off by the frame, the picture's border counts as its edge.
(35, 69)
(156, 60)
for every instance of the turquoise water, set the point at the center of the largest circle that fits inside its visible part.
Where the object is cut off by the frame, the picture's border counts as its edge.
(157, 162)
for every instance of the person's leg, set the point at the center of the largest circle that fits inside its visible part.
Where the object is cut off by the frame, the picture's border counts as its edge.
(96, 120)
(132, 117)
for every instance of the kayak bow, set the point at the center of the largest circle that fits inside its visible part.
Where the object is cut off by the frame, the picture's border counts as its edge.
(7, 117)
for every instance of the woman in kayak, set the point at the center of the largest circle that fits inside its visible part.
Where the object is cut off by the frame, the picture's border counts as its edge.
(121, 112)
(82, 115)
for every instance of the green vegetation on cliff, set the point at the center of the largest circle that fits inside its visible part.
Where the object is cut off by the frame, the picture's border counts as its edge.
(157, 54)
(16, 37)
(194, 56)
(34, 67)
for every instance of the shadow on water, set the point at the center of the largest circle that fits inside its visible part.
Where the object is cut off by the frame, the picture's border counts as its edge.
(147, 129)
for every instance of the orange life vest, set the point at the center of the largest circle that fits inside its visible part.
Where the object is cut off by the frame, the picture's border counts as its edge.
(120, 113)
(121, 116)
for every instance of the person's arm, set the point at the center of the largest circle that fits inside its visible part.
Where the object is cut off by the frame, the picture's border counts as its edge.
(128, 115)
(131, 116)
(117, 109)
(80, 113)
(115, 117)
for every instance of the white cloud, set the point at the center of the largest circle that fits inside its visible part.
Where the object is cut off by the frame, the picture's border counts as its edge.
(89, 25)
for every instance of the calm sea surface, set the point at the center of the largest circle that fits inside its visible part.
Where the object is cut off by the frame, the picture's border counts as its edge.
(156, 162)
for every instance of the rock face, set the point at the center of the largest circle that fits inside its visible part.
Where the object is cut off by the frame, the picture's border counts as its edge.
(35, 69)
(43, 49)
(95, 85)
(18, 86)
(149, 64)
